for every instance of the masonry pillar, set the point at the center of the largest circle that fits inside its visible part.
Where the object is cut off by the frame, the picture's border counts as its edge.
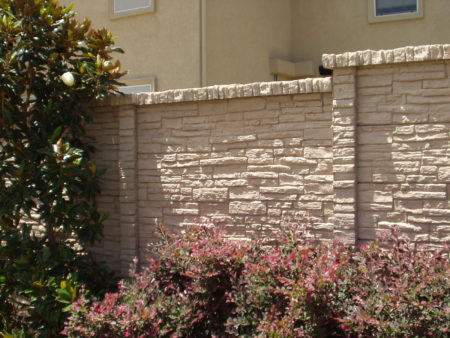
(127, 173)
(344, 153)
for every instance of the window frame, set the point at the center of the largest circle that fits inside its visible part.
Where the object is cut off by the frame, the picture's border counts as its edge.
(373, 18)
(131, 12)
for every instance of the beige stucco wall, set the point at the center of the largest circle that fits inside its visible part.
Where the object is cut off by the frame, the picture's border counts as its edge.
(242, 36)
(194, 43)
(164, 44)
(337, 26)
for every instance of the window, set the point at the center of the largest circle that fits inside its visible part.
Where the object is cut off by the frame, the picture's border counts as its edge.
(146, 88)
(141, 85)
(390, 10)
(120, 8)
(389, 7)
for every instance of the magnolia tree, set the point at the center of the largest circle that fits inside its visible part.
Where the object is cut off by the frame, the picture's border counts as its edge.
(51, 67)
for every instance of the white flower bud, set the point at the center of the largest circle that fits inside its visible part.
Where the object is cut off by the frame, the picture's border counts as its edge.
(68, 79)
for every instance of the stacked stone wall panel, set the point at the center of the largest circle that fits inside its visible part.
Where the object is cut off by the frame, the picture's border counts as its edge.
(358, 153)
(104, 135)
(241, 164)
(403, 156)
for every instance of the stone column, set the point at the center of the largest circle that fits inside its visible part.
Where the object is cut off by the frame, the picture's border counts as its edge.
(128, 199)
(344, 153)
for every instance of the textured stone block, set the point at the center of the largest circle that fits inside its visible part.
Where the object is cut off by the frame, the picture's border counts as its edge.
(374, 81)
(318, 134)
(282, 190)
(296, 160)
(260, 174)
(419, 195)
(344, 196)
(290, 179)
(278, 197)
(318, 152)
(375, 137)
(247, 208)
(444, 174)
(210, 194)
(230, 183)
(319, 188)
(344, 91)
(223, 161)
(244, 193)
(246, 104)
(375, 196)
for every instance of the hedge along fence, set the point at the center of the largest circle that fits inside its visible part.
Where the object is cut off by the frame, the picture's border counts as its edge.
(356, 153)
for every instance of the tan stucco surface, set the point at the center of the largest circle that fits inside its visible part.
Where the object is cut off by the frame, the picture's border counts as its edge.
(163, 44)
(241, 37)
(337, 26)
(194, 43)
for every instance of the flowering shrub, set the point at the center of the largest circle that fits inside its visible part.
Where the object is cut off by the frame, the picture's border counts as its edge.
(203, 285)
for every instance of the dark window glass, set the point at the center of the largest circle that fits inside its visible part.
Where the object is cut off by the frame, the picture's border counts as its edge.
(388, 7)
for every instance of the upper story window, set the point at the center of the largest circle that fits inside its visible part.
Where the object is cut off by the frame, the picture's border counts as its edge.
(390, 10)
(389, 7)
(121, 8)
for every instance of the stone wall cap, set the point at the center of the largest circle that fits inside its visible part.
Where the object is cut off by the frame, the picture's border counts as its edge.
(220, 92)
(389, 56)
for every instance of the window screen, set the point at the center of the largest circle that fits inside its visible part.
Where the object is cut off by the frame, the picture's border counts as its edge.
(389, 7)
(121, 6)
(146, 88)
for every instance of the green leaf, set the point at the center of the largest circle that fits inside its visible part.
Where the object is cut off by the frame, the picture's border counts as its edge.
(104, 217)
(67, 308)
(7, 115)
(64, 295)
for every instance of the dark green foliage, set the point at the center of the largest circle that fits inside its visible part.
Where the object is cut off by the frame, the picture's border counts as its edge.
(203, 285)
(48, 184)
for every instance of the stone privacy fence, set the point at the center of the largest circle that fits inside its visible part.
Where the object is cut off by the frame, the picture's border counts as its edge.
(359, 152)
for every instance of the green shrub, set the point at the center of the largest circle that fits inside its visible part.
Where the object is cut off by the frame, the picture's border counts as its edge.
(51, 67)
(203, 285)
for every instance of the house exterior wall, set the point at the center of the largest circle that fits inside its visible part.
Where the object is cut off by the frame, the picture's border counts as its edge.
(195, 43)
(242, 37)
(357, 153)
(164, 44)
(338, 26)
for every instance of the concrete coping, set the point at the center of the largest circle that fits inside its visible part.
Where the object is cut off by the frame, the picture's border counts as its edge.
(385, 57)
(220, 92)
